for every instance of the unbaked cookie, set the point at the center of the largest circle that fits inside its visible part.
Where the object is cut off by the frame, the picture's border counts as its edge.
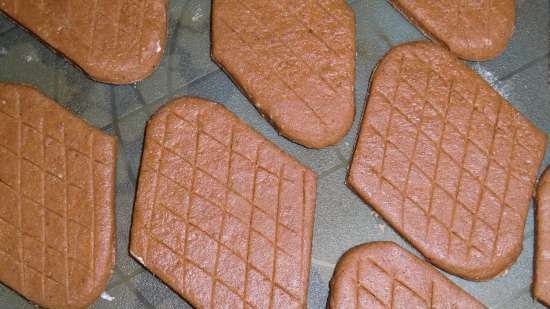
(295, 60)
(116, 41)
(541, 286)
(382, 275)
(447, 161)
(473, 30)
(222, 215)
(57, 184)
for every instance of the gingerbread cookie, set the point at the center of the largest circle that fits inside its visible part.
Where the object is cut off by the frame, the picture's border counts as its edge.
(222, 215)
(115, 41)
(382, 275)
(541, 286)
(294, 61)
(447, 161)
(473, 30)
(57, 183)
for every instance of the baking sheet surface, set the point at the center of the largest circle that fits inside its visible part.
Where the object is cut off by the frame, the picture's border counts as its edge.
(342, 220)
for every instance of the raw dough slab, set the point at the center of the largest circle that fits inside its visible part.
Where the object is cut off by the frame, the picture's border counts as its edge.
(222, 216)
(114, 41)
(447, 161)
(541, 285)
(382, 275)
(57, 183)
(473, 30)
(295, 60)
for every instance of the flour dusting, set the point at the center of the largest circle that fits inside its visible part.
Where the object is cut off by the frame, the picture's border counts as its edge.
(107, 297)
(197, 15)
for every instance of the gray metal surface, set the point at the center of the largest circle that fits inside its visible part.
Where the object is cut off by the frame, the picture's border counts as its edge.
(342, 219)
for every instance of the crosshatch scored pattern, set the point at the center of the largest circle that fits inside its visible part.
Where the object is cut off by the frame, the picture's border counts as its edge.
(475, 30)
(294, 60)
(56, 213)
(385, 276)
(222, 215)
(447, 161)
(118, 39)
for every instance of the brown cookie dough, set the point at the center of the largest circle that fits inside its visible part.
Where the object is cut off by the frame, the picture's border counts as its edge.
(222, 216)
(473, 30)
(57, 183)
(117, 41)
(382, 275)
(541, 286)
(447, 161)
(294, 60)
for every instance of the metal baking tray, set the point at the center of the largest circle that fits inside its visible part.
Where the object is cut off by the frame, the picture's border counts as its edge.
(342, 220)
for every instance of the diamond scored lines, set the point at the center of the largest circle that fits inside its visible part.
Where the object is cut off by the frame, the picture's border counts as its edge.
(295, 61)
(222, 215)
(57, 189)
(448, 162)
(473, 30)
(541, 282)
(117, 41)
(382, 275)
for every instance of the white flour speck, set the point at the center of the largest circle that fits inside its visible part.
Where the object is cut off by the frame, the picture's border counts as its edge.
(140, 260)
(3, 51)
(107, 297)
(28, 58)
(197, 15)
